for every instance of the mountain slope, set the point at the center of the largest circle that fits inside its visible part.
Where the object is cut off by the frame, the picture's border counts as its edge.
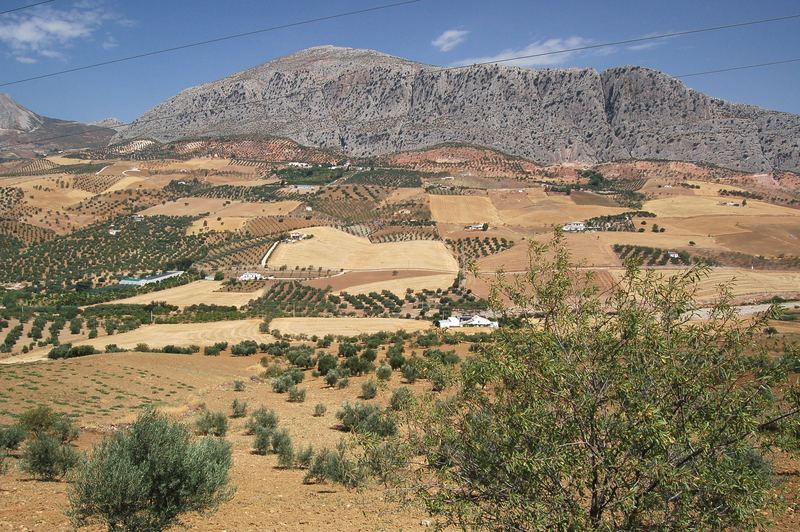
(23, 132)
(368, 103)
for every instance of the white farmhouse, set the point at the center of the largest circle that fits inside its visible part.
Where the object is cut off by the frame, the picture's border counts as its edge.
(467, 321)
(574, 227)
(251, 276)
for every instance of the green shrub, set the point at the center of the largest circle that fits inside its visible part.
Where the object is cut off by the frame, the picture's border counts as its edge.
(282, 384)
(319, 410)
(297, 395)
(336, 466)
(11, 437)
(343, 383)
(282, 446)
(401, 399)
(304, 457)
(365, 418)
(245, 348)
(261, 442)
(42, 420)
(238, 386)
(262, 418)
(326, 363)
(238, 408)
(212, 424)
(144, 477)
(369, 389)
(384, 373)
(410, 373)
(331, 378)
(46, 457)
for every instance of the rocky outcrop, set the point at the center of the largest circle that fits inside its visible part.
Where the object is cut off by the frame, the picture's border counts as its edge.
(367, 103)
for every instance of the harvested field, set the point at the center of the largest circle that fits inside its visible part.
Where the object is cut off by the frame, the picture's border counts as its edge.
(126, 182)
(690, 206)
(533, 210)
(345, 326)
(334, 249)
(347, 280)
(194, 293)
(399, 286)
(463, 209)
(252, 209)
(216, 223)
(187, 207)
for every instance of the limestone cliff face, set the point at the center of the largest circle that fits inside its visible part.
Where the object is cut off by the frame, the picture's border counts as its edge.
(367, 103)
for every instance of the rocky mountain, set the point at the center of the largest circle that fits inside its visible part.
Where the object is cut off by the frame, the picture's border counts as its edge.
(113, 123)
(24, 133)
(368, 103)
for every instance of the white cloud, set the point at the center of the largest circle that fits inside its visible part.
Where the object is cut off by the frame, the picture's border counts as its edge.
(539, 53)
(110, 42)
(449, 39)
(45, 32)
(25, 59)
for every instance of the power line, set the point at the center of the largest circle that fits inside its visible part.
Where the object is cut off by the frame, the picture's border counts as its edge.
(634, 40)
(262, 101)
(26, 7)
(211, 41)
(742, 67)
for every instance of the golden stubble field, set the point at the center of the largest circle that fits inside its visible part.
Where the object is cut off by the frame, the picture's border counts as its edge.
(333, 249)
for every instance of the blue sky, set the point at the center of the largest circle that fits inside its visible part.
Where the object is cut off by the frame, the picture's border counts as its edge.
(69, 33)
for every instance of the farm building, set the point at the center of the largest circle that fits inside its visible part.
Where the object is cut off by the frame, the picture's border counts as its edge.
(251, 276)
(673, 254)
(467, 321)
(114, 232)
(574, 227)
(141, 281)
(477, 227)
(296, 237)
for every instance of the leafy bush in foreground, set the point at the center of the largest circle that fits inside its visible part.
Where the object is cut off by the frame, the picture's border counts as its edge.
(144, 477)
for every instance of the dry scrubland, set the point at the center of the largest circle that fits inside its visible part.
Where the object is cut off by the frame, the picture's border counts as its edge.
(110, 389)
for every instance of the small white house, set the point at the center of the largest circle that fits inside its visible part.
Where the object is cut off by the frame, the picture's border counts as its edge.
(574, 227)
(450, 323)
(296, 237)
(251, 276)
(673, 254)
(475, 227)
(295, 164)
(114, 232)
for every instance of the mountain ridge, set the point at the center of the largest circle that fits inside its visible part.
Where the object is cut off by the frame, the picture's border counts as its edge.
(24, 133)
(367, 103)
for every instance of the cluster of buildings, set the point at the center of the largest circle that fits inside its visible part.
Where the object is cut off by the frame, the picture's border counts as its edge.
(466, 320)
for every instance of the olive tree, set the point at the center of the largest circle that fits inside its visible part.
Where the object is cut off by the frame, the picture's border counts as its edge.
(146, 476)
(621, 409)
